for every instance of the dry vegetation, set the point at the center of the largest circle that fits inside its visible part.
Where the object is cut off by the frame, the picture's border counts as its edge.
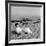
(33, 24)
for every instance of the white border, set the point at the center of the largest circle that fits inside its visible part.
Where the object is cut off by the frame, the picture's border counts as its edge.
(42, 23)
(30, 40)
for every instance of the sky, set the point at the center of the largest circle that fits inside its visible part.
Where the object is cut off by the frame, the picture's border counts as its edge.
(19, 11)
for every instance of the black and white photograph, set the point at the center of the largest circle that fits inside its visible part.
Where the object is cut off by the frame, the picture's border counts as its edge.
(25, 22)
